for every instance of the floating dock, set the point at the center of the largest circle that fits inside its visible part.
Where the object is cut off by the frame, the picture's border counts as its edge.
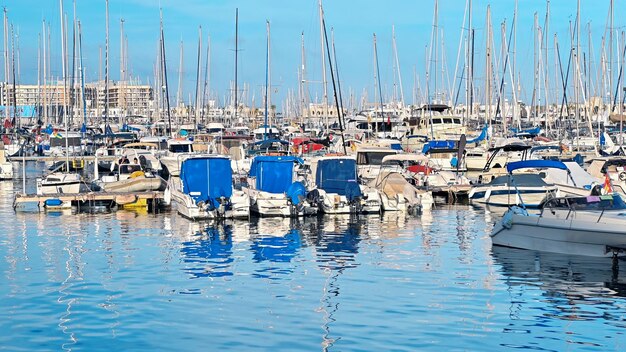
(151, 200)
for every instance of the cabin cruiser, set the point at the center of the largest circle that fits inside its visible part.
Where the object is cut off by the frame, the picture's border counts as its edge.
(435, 121)
(337, 190)
(591, 226)
(172, 157)
(369, 160)
(205, 190)
(274, 188)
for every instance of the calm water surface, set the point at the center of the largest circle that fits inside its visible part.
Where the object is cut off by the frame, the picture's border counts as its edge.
(134, 281)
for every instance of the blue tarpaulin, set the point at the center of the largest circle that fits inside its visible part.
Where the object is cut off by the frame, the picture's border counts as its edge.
(208, 178)
(333, 175)
(537, 164)
(433, 145)
(274, 174)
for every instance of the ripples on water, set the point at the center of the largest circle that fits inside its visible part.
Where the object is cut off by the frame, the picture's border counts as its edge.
(133, 281)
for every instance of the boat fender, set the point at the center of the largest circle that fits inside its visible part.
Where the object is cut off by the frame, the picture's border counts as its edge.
(622, 176)
(53, 202)
(136, 174)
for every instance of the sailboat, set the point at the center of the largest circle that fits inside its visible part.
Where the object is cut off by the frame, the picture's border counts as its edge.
(64, 182)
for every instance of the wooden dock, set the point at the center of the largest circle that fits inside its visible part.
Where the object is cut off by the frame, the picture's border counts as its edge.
(152, 199)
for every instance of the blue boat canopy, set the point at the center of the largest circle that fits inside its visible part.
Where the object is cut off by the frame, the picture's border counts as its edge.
(332, 175)
(207, 179)
(438, 145)
(274, 174)
(537, 164)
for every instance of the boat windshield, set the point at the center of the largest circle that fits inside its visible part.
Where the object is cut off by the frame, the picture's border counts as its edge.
(606, 202)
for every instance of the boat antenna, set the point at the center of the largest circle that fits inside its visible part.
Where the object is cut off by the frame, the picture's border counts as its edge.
(267, 78)
(332, 77)
(236, 58)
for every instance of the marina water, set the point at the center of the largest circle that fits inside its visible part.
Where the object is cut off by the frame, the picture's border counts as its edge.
(139, 281)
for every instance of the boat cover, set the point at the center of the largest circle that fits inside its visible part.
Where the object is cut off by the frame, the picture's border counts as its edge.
(333, 175)
(274, 174)
(208, 178)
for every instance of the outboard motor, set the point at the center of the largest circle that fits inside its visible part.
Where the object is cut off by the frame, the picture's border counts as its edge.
(296, 195)
(354, 196)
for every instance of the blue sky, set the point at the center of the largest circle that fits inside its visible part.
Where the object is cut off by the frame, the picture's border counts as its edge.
(354, 23)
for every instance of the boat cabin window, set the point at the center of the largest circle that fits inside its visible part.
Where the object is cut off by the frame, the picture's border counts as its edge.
(180, 148)
(446, 120)
(457, 121)
(372, 158)
(435, 121)
(607, 202)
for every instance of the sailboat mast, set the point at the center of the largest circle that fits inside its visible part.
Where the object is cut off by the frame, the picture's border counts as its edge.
(63, 60)
(324, 82)
(380, 92)
(395, 53)
(303, 89)
(6, 63)
(236, 61)
(106, 71)
(267, 78)
(198, 72)
(165, 81)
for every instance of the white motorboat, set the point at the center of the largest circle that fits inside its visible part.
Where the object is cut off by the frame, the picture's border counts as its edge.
(205, 190)
(397, 188)
(274, 189)
(337, 190)
(592, 226)
(176, 148)
(59, 182)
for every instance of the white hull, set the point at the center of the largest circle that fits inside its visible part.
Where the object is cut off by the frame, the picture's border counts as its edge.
(6, 171)
(274, 204)
(581, 236)
(187, 207)
(333, 203)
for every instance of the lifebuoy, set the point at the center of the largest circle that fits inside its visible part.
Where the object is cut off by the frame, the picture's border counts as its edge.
(622, 176)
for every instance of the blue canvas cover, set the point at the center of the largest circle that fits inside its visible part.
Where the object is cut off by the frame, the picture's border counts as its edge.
(210, 177)
(538, 164)
(438, 144)
(274, 174)
(296, 191)
(333, 175)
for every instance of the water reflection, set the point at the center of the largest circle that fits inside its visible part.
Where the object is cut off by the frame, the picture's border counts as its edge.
(574, 287)
(208, 251)
(276, 240)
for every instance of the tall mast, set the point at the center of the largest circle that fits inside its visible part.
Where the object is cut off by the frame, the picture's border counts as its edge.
(121, 88)
(6, 64)
(45, 73)
(267, 79)
(380, 92)
(395, 53)
(179, 93)
(303, 90)
(236, 61)
(324, 82)
(198, 72)
(488, 68)
(165, 81)
(514, 67)
(106, 71)
(207, 77)
(64, 59)
(610, 69)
